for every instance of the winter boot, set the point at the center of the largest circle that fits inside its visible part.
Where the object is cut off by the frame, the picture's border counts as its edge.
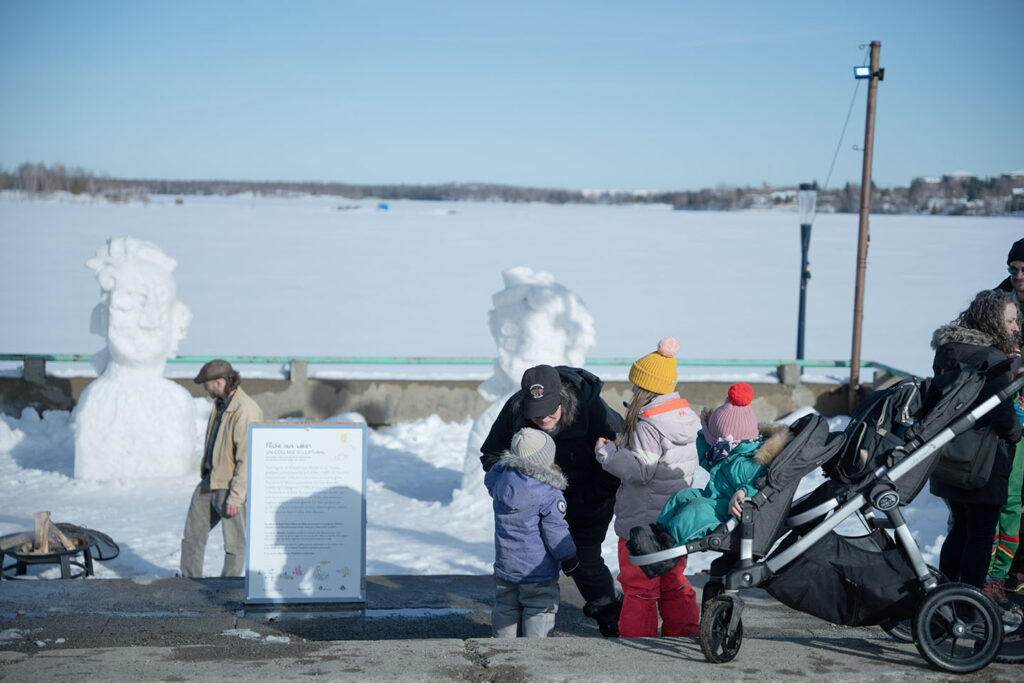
(644, 540)
(606, 612)
(995, 588)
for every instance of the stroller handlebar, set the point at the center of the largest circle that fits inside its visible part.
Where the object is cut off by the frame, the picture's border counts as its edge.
(1015, 386)
(965, 422)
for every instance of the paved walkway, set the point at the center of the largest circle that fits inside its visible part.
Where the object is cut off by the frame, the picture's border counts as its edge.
(412, 628)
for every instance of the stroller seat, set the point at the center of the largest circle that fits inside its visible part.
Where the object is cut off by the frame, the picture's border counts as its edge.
(811, 445)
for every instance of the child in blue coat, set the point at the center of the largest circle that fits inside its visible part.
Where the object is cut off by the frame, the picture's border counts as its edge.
(735, 451)
(531, 536)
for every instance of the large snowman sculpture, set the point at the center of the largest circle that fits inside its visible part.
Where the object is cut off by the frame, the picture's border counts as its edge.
(131, 422)
(535, 321)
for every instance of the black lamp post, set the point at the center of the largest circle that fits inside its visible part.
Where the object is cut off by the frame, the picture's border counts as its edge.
(807, 200)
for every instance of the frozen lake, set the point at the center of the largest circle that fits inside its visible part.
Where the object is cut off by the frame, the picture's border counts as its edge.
(326, 276)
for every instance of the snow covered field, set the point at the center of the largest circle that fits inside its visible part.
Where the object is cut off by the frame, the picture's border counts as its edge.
(299, 277)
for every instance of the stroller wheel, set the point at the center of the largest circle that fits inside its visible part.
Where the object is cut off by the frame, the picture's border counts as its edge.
(1012, 651)
(957, 628)
(712, 589)
(718, 643)
(901, 630)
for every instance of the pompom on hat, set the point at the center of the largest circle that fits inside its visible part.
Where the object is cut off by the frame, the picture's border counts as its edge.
(734, 420)
(657, 370)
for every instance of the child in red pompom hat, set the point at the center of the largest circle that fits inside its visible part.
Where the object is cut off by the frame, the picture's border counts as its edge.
(736, 451)
(733, 421)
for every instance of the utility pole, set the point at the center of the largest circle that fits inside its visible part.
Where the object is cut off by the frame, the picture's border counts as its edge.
(874, 76)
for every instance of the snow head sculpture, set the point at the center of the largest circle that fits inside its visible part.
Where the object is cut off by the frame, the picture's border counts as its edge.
(138, 314)
(534, 321)
(131, 422)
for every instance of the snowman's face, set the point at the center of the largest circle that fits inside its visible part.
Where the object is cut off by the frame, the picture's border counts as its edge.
(140, 314)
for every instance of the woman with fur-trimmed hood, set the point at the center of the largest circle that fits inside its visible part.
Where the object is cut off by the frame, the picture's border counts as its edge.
(736, 451)
(983, 335)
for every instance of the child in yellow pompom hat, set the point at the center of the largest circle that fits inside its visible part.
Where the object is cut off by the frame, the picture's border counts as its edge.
(654, 456)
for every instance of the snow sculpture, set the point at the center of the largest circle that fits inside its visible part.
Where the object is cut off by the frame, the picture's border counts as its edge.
(131, 422)
(535, 320)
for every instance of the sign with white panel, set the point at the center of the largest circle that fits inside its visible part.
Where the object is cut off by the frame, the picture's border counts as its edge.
(306, 535)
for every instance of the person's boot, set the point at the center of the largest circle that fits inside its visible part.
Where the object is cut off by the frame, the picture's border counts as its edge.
(995, 588)
(605, 611)
(644, 540)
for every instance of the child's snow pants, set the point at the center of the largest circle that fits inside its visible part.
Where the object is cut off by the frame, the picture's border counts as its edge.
(643, 599)
(524, 609)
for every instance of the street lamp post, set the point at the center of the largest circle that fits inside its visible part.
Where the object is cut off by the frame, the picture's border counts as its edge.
(807, 199)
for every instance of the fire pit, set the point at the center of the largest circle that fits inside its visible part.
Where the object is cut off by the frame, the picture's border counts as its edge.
(75, 562)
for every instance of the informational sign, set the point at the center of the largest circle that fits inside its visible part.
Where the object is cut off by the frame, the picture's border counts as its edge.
(307, 513)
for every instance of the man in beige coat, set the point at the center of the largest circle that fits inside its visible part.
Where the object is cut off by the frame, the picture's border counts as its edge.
(220, 495)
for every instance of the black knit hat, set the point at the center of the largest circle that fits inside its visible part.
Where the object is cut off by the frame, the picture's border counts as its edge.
(1016, 251)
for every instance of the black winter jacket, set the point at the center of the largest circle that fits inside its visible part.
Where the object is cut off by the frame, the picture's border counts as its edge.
(590, 496)
(957, 347)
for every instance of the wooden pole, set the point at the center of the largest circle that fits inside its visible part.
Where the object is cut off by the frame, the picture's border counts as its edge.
(862, 237)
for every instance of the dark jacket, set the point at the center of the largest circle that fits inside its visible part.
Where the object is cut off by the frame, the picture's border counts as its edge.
(590, 495)
(957, 347)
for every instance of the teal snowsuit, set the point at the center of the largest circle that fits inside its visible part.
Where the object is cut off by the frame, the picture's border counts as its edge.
(691, 513)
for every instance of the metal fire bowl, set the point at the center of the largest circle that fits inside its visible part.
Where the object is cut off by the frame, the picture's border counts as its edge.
(11, 544)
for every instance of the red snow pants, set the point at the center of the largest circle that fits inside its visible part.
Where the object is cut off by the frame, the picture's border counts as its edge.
(643, 598)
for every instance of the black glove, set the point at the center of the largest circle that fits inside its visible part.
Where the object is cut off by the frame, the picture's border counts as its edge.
(570, 566)
(489, 460)
(664, 537)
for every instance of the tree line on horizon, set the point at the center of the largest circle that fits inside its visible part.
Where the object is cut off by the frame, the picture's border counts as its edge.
(949, 195)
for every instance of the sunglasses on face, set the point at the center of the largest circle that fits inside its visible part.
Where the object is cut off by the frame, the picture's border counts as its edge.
(1013, 271)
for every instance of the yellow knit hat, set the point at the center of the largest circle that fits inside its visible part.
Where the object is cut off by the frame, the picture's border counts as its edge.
(657, 370)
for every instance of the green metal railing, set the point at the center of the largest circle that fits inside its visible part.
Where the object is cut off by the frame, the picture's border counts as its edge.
(461, 360)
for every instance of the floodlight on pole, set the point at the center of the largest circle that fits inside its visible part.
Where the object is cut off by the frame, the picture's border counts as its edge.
(807, 200)
(866, 72)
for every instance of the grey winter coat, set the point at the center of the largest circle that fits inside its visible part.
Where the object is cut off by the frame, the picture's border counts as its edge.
(660, 460)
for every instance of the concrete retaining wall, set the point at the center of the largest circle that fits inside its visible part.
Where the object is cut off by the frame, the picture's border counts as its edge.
(385, 402)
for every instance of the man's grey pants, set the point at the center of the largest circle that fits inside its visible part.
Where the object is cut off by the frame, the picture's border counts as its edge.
(206, 509)
(526, 609)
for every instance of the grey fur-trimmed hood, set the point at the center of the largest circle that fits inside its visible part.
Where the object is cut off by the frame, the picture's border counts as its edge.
(548, 475)
(955, 334)
(776, 436)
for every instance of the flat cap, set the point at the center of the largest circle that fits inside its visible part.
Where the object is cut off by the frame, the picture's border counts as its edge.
(215, 369)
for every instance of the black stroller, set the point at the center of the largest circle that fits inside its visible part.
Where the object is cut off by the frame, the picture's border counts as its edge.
(793, 551)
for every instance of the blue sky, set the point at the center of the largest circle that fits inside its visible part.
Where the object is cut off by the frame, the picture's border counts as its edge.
(645, 95)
